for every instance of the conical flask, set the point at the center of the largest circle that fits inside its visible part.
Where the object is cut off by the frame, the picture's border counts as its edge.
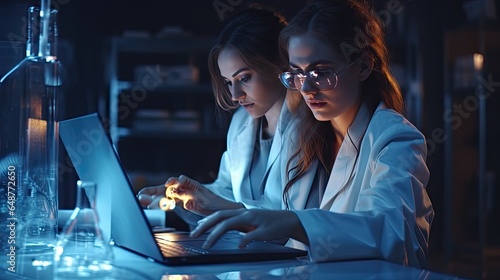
(81, 251)
(29, 142)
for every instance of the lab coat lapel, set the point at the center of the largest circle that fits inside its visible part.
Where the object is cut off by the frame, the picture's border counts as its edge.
(277, 145)
(299, 193)
(242, 149)
(343, 170)
(341, 173)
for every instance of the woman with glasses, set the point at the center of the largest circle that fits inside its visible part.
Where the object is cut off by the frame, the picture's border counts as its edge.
(244, 65)
(375, 203)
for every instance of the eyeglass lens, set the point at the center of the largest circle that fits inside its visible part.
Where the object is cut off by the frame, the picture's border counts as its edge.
(322, 79)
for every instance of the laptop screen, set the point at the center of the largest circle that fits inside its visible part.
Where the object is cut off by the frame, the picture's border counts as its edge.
(95, 159)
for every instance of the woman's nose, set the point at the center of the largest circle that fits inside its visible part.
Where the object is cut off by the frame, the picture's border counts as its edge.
(237, 93)
(308, 87)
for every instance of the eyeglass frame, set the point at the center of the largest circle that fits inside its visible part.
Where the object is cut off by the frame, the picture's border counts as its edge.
(307, 75)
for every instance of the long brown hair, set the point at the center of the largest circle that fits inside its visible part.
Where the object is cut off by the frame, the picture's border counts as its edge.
(253, 32)
(351, 27)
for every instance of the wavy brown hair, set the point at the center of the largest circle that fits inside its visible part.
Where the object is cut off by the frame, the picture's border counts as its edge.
(253, 32)
(351, 27)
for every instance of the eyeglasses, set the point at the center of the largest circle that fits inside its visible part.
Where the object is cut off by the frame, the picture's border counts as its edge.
(322, 79)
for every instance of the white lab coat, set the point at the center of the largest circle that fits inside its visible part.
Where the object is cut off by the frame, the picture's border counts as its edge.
(233, 178)
(380, 209)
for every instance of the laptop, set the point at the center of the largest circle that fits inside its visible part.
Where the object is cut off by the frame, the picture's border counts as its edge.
(95, 159)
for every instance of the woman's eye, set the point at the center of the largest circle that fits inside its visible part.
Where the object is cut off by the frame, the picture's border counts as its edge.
(227, 83)
(245, 79)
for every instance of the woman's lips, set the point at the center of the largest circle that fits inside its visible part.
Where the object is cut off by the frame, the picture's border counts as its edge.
(247, 105)
(316, 104)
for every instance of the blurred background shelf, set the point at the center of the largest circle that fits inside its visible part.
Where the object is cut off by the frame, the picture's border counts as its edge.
(160, 106)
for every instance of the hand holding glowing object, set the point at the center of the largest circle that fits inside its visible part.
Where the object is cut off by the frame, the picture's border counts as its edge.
(167, 203)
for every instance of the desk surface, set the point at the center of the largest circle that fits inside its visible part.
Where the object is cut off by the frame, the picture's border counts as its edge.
(129, 266)
(133, 267)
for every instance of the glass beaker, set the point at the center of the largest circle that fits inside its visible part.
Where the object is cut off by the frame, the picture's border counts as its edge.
(81, 251)
(29, 141)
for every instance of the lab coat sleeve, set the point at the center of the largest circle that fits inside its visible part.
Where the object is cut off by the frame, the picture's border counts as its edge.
(392, 214)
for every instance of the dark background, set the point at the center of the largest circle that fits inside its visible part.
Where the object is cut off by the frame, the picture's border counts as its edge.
(425, 39)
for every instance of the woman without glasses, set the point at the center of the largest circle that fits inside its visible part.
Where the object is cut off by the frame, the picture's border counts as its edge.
(244, 64)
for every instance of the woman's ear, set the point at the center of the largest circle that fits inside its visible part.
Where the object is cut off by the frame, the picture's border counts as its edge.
(365, 64)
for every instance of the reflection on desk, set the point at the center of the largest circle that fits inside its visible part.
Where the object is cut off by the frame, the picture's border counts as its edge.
(129, 266)
(156, 217)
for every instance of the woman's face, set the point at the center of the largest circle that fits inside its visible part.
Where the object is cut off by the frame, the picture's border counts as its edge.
(308, 52)
(256, 93)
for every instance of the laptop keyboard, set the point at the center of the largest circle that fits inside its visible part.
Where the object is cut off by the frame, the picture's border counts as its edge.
(169, 249)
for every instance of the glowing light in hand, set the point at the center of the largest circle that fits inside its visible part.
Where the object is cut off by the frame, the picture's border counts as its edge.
(167, 204)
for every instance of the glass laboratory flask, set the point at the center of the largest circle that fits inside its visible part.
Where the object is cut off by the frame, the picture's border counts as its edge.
(81, 251)
(29, 141)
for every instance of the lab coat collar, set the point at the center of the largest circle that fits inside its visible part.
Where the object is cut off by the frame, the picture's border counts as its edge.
(278, 142)
(299, 193)
(243, 148)
(277, 146)
(343, 169)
